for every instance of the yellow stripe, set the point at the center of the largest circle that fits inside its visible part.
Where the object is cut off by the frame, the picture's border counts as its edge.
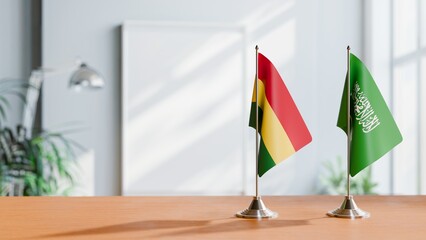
(273, 134)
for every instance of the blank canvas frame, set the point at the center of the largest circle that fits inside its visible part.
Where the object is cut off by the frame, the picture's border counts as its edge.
(184, 115)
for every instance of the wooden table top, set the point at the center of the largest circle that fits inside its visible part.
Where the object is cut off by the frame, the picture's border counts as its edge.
(300, 217)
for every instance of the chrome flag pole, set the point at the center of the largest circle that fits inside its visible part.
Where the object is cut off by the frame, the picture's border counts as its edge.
(348, 209)
(257, 208)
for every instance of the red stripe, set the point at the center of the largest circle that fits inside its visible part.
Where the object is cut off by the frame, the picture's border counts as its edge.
(282, 103)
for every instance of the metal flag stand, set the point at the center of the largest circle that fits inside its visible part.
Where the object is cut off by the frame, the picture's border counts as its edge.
(348, 209)
(257, 208)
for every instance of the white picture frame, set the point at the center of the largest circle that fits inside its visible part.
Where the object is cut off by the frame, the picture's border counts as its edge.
(168, 149)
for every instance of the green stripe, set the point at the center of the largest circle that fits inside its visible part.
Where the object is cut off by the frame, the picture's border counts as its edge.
(265, 160)
(252, 120)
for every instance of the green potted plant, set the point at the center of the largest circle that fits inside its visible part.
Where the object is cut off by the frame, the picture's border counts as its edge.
(32, 166)
(333, 181)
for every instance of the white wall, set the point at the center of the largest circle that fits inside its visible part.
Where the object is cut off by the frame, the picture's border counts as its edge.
(15, 47)
(306, 40)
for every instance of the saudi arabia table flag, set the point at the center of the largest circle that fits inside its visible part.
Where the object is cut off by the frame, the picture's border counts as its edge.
(374, 131)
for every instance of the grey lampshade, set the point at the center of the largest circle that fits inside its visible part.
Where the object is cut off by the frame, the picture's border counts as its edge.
(86, 77)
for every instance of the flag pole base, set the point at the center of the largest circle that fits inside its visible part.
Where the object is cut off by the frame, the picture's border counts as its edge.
(257, 209)
(349, 209)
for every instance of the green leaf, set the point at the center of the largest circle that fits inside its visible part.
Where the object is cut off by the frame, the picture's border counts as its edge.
(46, 160)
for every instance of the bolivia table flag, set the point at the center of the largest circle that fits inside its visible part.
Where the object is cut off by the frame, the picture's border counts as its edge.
(281, 126)
(374, 131)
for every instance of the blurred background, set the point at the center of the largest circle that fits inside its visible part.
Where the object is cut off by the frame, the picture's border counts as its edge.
(172, 117)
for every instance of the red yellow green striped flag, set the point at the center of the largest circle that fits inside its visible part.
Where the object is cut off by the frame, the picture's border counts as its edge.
(281, 127)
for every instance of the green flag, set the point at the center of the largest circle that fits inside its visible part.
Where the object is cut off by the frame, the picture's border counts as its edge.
(374, 131)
